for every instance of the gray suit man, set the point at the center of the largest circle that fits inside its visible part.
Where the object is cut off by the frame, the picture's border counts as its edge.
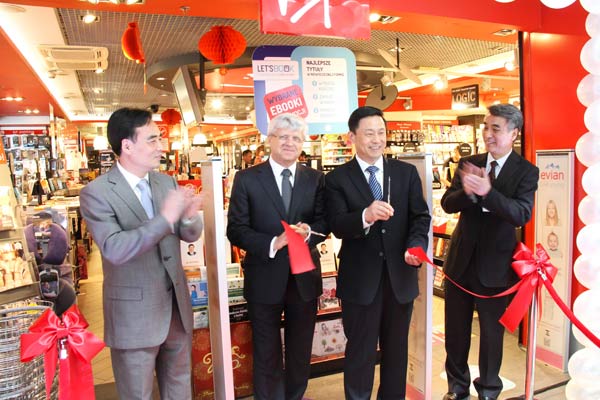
(147, 308)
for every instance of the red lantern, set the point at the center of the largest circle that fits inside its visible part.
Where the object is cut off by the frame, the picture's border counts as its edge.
(222, 44)
(170, 116)
(131, 44)
(314, 137)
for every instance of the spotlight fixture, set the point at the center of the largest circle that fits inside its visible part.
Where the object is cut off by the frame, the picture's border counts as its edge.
(89, 18)
(99, 70)
(386, 80)
(10, 98)
(408, 104)
(441, 82)
(384, 19)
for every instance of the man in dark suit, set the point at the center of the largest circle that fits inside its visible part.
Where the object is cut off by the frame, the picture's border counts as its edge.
(137, 217)
(494, 194)
(376, 207)
(256, 209)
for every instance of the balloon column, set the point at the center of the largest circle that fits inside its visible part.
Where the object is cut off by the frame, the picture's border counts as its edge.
(584, 365)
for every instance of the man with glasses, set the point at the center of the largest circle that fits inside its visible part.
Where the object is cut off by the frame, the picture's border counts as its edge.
(494, 194)
(261, 197)
(138, 217)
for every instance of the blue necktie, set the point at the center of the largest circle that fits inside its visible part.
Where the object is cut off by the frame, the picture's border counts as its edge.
(145, 198)
(373, 184)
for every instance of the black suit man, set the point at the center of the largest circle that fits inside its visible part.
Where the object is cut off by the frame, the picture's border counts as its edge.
(377, 280)
(494, 193)
(257, 206)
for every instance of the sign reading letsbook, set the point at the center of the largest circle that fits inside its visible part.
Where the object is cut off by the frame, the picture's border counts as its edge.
(465, 97)
(343, 19)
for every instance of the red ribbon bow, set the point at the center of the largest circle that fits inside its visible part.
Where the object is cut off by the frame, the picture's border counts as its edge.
(47, 334)
(532, 270)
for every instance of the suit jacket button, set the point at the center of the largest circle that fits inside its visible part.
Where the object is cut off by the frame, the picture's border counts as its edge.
(383, 230)
(381, 254)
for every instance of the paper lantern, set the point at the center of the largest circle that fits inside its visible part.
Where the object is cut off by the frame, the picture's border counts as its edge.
(170, 116)
(131, 44)
(222, 44)
(314, 137)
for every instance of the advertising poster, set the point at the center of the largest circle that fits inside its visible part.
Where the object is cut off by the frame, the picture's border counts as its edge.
(317, 83)
(553, 230)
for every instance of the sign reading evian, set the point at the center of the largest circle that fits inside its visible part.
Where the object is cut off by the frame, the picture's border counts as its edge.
(335, 18)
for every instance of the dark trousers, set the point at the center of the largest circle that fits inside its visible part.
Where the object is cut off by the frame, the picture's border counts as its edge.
(272, 379)
(384, 320)
(459, 307)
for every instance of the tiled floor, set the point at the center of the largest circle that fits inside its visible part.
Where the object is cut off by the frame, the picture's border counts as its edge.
(331, 386)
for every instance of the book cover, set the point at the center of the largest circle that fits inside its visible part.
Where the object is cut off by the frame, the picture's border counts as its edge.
(327, 300)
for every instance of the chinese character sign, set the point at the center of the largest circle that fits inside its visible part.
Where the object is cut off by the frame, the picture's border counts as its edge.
(335, 18)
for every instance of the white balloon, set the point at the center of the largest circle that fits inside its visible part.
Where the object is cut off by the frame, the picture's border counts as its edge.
(587, 271)
(592, 24)
(587, 149)
(576, 390)
(589, 210)
(584, 365)
(587, 309)
(590, 56)
(590, 181)
(588, 89)
(588, 239)
(591, 6)
(557, 3)
(591, 118)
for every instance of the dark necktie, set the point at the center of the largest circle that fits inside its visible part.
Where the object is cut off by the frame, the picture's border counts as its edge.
(373, 184)
(145, 197)
(492, 173)
(286, 189)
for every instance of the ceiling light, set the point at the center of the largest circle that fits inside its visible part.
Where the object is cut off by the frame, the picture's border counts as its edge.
(217, 104)
(28, 111)
(384, 19)
(509, 65)
(100, 143)
(505, 32)
(176, 145)
(99, 70)
(163, 94)
(441, 82)
(200, 138)
(386, 80)
(374, 17)
(89, 18)
(10, 98)
(36, 111)
(161, 78)
(408, 104)
(93, 1)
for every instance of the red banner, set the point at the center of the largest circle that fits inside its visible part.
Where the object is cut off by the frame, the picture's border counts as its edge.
(286, 100)
(333, 18)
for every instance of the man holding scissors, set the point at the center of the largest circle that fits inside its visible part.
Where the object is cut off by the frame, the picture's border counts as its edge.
(376, 207)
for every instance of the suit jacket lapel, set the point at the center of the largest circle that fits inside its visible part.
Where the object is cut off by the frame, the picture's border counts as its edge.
(300, 182)
(360, 182)
(123, 190)
(158, 193)
(508, 169)
(267, 180)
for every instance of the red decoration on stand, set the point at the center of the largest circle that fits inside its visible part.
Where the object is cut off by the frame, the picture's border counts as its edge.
(68, 341)
(222, 44)
(170, 116)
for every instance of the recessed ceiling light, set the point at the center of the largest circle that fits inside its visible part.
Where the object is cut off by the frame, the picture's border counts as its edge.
(384, 19)
(161, 78)
(505, 32)
(99, 70)
(11, 8)
(89, 18)
(163, 94)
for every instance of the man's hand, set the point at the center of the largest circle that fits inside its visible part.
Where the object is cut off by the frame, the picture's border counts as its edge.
(411, 260)
(193, 203)
(301, 228)
(174, 205)
(474, 180)
(378, 211)
(280, 242)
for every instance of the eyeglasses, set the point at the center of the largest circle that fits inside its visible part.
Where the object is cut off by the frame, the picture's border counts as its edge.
(285, 138)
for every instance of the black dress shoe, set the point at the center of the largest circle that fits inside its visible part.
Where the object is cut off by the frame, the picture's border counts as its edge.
(455, 396)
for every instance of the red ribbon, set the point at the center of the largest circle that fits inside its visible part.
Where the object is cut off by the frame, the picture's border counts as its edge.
(300, 259)
(530, 268)
(534, 271)
(77, 349)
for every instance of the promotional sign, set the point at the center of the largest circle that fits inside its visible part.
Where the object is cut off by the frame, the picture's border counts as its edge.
(465, 97)
(343, 19)
(553, 230)
(316, 83)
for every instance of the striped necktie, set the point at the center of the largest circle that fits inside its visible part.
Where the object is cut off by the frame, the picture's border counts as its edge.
(373, 184)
